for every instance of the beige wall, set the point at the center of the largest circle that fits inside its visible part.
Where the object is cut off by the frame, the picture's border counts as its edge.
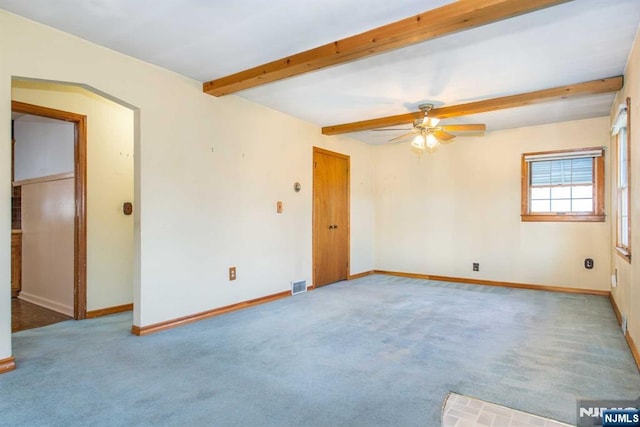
(440, 213)
(208, 173)
(627, 293)
(109, 184)
(47, 244)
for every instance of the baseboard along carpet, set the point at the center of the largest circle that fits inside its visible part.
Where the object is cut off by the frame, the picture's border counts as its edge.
(376, 351)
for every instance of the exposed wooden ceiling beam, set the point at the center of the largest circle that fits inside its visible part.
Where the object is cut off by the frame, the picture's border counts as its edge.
(593, 87)
(457, 16)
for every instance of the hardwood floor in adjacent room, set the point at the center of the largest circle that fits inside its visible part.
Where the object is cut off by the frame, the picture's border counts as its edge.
(25, 315)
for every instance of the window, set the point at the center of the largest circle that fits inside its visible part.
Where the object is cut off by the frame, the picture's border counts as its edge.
(563, 185)
(621, 132)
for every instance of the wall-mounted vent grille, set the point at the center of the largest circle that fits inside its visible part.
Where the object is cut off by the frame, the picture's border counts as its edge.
(298, 287)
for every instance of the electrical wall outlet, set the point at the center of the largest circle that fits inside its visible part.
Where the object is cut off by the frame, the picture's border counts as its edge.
(232, 273)
(476, 266)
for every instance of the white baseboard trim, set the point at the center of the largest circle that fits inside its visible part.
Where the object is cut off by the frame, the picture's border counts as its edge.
(46, 303)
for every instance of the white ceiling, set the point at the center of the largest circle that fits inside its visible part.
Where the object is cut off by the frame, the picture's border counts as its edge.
(574, 42)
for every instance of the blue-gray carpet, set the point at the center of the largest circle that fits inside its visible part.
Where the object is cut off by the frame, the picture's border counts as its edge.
(377, 351)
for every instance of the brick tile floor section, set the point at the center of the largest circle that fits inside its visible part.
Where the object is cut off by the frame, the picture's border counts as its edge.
(463, 411)
(25, 315)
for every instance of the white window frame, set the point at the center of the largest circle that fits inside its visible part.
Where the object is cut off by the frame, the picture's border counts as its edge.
(621, 132)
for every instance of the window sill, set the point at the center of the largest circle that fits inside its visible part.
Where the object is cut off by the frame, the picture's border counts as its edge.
(624, 254)
(562, 218)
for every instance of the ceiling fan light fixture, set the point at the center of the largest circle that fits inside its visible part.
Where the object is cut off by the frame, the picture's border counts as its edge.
(432, 121)
(424, 142)
(418, 142)
(426, 121)
(432, 142)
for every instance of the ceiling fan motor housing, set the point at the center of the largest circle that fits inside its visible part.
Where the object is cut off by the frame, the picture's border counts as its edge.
(425, 108)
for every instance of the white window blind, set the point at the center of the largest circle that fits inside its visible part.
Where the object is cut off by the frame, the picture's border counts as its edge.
(564, 156)
(562, 172)
(621, 120)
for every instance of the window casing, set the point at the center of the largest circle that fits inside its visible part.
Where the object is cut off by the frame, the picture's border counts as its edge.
(566, 185)
(623, 154)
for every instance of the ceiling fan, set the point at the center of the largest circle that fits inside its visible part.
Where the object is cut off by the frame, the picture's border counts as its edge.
(428, 135)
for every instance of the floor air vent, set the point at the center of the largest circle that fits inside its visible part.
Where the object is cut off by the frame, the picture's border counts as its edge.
(298, 287)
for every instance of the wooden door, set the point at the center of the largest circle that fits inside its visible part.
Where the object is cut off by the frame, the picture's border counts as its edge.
(16, 263)
(330, 217)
